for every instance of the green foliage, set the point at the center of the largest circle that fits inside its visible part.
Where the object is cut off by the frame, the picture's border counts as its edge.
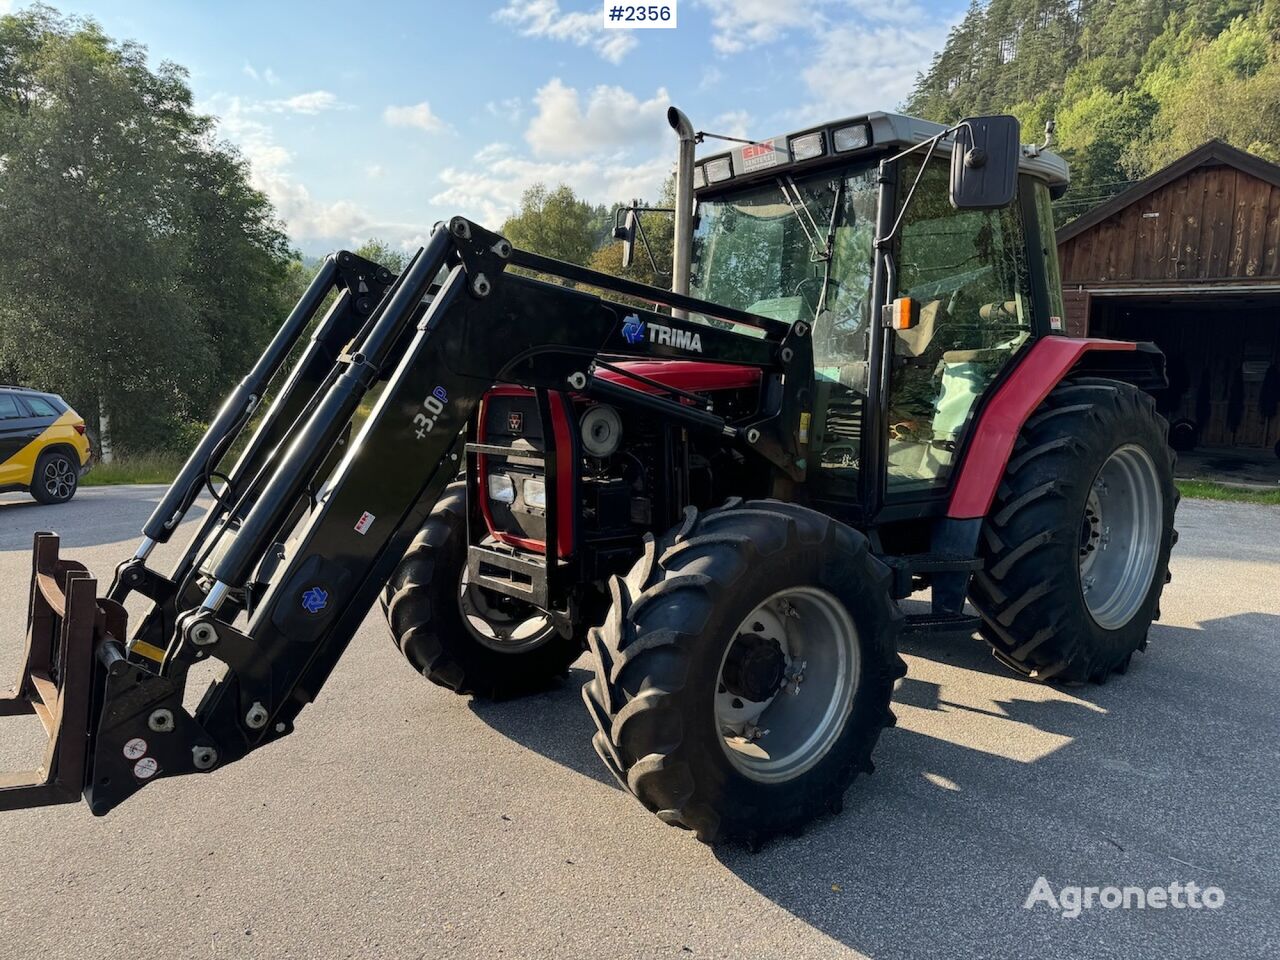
(1133, 84)
(142, 272)
(555, 223)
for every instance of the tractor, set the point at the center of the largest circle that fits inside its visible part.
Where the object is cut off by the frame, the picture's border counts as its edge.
(858, 387)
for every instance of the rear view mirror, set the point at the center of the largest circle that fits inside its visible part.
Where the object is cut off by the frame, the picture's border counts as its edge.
(984, 163)
(627, 234)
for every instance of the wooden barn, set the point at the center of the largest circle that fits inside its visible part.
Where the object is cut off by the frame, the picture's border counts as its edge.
(1190, 258)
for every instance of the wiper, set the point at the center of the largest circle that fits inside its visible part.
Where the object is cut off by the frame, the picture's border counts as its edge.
(829, 256)
(791, 193)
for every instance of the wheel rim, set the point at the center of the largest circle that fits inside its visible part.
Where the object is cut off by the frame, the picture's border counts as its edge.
(500, 623)
(1120, 536)
(59, 478)
(794, 723)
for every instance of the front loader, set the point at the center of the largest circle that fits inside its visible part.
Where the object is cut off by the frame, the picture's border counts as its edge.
(857, 390)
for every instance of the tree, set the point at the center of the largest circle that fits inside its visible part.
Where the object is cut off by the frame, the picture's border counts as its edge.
(141, 270)
(554, 223)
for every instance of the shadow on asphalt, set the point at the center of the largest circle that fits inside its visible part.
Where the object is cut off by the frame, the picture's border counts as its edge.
(937, 837)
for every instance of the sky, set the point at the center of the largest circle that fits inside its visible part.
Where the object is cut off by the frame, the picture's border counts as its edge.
(379, 118)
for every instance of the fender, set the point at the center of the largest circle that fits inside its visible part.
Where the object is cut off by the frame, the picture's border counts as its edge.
(1042, 368)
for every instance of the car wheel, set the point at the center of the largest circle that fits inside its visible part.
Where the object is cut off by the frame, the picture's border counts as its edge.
(55, 478)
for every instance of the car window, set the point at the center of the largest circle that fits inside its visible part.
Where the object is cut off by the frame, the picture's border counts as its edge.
(40, 407)
(9, 408)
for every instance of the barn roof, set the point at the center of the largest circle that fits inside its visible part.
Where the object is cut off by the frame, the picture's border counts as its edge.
(1209, 154)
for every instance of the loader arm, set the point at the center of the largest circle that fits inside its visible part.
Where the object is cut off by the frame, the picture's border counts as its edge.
(307, 528)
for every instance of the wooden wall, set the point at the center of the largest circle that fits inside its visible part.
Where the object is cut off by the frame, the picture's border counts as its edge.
(1214, 223)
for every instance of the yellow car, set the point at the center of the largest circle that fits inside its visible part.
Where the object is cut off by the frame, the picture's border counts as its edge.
(43, 447)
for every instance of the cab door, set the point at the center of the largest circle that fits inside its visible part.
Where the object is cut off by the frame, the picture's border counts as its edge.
(968, 272)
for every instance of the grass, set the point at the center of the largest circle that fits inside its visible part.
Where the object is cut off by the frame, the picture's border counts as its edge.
(1208, 490)
(163, 467)
(139, 468)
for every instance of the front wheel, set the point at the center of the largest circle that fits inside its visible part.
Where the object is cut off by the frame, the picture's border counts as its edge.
(1076, 545)
(744, 672)
(463, 637)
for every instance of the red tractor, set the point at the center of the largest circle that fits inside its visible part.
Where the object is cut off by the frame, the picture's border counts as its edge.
(857, 388)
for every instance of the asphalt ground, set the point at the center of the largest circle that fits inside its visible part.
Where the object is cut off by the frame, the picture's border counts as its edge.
(402, 821)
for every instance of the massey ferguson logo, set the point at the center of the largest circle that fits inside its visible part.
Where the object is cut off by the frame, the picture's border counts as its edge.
(634, 329)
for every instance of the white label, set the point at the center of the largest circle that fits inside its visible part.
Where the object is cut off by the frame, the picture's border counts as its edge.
(145, 768)
(135, 748)
(364, 523)
(627, 16)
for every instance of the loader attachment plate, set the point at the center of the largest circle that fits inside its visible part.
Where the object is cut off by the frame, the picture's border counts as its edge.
(66, 624)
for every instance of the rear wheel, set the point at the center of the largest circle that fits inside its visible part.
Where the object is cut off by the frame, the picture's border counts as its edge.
(1077, 542)
(744, 672)
(463, 637)
(55, 478)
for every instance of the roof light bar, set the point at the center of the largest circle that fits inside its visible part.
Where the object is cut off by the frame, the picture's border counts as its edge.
(808, 146)
(853, 137)
(719, 169)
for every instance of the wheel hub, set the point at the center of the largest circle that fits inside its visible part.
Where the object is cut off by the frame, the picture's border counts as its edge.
(754, 668)
(786, 684)
(1120, 536)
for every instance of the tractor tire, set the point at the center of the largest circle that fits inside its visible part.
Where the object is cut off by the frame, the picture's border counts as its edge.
(453, 634)
(55, 478)
(660, 699)
(1076, 545)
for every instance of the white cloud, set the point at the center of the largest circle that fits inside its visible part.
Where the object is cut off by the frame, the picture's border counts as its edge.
(614, 118)
(266, 75)
(511, 109)
(374, 171)
(312, 103)
(271, 171)
(418, 115)
(735, 123)
(544, 18)
(844, 81)
(741, 24)
(489, 188)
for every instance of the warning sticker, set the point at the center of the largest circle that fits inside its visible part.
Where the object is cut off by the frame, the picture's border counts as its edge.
(364, 523)
(145, 768)
(135, 748)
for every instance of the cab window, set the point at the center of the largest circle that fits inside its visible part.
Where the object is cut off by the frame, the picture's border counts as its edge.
(968, 272)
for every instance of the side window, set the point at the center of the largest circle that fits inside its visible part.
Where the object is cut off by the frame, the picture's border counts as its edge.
(9, 409)
(967, 269)
(40, 407)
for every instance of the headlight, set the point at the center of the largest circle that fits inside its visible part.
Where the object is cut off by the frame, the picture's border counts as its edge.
(699, 177)
(501, 488)
(852, 138)
(535, 493)
(808, 146)
(719, 170)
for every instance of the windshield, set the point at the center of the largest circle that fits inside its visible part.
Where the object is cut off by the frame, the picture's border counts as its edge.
(791, 249)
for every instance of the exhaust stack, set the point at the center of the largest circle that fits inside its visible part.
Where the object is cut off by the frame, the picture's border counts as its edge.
(682, 248)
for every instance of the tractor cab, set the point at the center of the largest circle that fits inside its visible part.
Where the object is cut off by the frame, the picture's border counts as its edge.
(787, 228)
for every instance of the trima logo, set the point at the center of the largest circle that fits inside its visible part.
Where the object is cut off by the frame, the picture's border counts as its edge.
(633, 330)
(314, 600)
